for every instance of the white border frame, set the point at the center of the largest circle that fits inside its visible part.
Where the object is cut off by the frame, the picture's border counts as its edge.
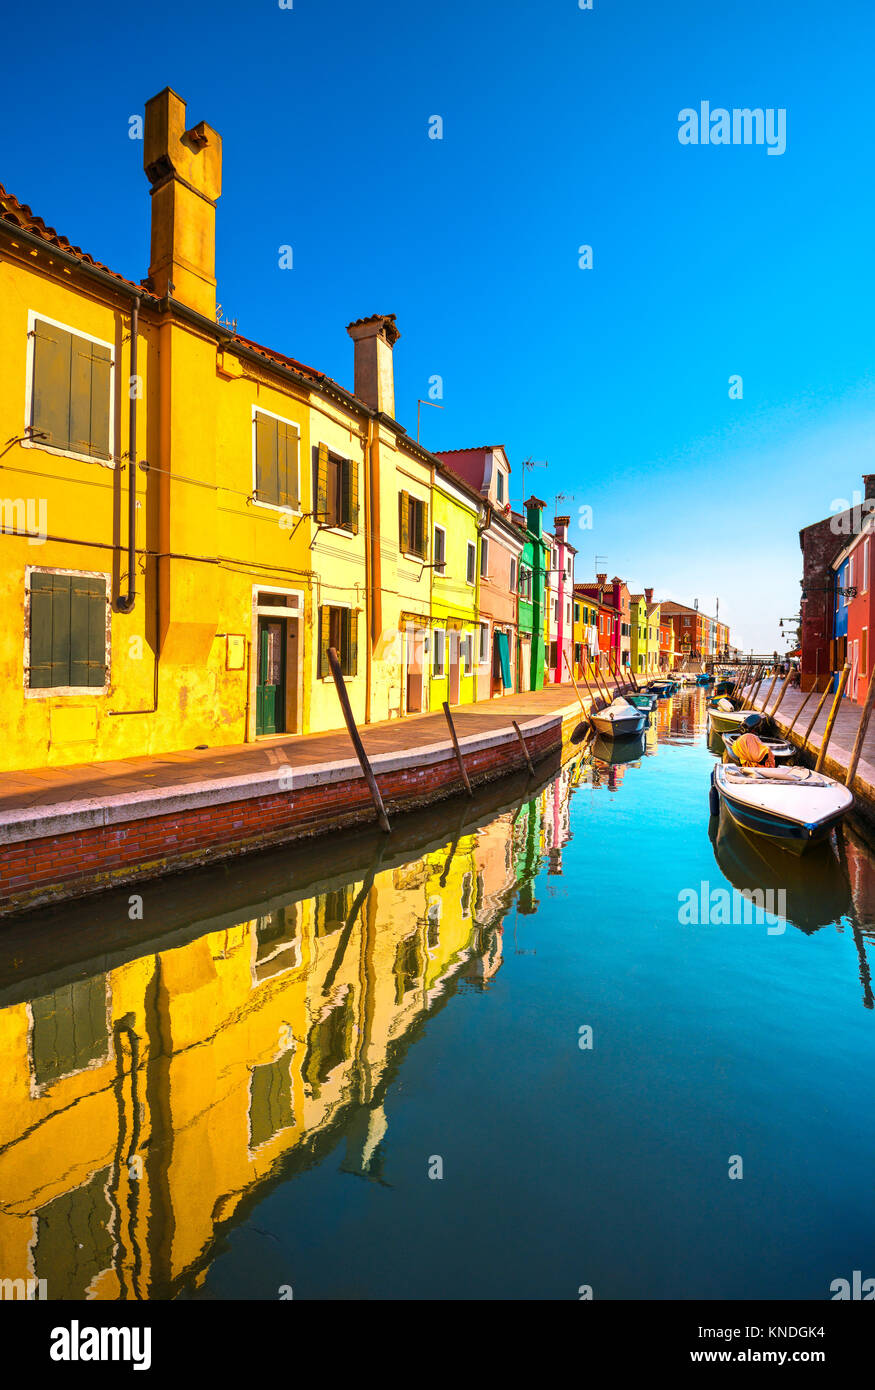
(334, 530)
(47, 692)
(114, 459)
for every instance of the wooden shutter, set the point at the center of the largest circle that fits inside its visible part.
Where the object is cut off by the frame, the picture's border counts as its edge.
(90, 365)
(322, 483)
(287, 465)
(42, 614)
(87, 631)
(266, 477)
(424, 539)
(51, 384)
(404, 521)
(352, 665)
(353, 477)
(324, 639)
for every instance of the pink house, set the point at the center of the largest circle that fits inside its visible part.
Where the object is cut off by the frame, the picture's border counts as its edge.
(852, 573)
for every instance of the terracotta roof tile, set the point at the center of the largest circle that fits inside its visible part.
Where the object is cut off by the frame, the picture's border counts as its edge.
(20, 215)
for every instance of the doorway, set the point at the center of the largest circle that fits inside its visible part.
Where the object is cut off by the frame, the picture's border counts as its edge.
(270, 686)
(415, 661)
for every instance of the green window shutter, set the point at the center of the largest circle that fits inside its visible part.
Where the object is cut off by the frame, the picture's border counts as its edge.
(101, 367)
(322, 483)
(87, 631)
(51, 384)
(351, 491)
(423, 548)
(265, 458)
(353, 630)
(42, 671)
(324, 639)
(287, 465)
(85, 378)
(404, 521)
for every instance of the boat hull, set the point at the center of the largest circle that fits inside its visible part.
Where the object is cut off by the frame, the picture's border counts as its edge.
(734, 722)
(794, 834)
(621, 726)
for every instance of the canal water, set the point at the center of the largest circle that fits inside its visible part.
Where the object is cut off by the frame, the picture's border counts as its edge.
(525, 1046)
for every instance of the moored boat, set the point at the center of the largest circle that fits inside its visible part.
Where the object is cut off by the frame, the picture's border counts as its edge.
(739, 751)
(619, 719)
(792, 806)
(726, 716)
(643, 701)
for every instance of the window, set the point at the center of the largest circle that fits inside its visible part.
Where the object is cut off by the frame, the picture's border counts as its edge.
(69, 1031)
(484, 644)
(484, 558)
(499, 486)
(471, 567)
(439, 653)
(467, 646)
(338, 628)
(440, 550)
(686, 622)
(577, 612)
(270, 1100)
(71, 390)
(276, 461)
(412, 525)
(513, 576)
(67, 634)
(568, 612)
(554, 654)
(337, 491)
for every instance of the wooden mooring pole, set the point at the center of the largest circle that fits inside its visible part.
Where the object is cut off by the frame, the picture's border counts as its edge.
(769, 693)
(820, 704)
(840, 690)
(574, 683)
(861, 733)
(343, 697)
(519, 734)
(459, 758)
(781, 693)
(800, 709)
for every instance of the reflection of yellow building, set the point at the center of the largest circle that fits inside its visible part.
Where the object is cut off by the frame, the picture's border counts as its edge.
(141, 1107)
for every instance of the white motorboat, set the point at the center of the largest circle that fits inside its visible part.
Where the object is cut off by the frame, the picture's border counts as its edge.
(619, 719)
(793, 806)
(725, 718)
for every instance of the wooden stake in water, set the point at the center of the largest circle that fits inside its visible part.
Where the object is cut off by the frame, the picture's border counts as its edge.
(800, 709)
(861, 732)
(769, 691)
(459, 758)
(519, 734)
(781, 693)
(574, 683)
(343, 697)
(840, 690)
(820, 704)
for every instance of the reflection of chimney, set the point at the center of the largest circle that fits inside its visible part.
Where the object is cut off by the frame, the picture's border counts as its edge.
(184, 168)
(374, 340)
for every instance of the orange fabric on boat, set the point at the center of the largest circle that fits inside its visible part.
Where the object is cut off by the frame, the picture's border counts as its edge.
(752, 753)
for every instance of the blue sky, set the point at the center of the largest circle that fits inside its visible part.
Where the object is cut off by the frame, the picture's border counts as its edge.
(560, 128)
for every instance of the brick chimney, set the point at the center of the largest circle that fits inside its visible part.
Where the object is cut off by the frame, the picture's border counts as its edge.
(602, 580)
(869, 484)
(375, 339)
(184, 168)
(648, 594)
(561, 524)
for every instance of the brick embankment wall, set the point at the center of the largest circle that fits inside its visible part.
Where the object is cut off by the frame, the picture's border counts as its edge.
(209, 823)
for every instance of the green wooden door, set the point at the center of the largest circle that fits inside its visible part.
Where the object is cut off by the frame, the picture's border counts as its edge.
(270, 689)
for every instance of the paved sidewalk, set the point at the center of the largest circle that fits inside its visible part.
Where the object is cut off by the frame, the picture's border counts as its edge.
(841, 741)
(95, 781)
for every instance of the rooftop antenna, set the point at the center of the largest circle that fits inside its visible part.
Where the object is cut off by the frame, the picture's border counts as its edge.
(528, 465)
(420, 403)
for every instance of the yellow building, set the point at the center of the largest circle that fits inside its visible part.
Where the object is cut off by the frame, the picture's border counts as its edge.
(455, 638)
(190, 520)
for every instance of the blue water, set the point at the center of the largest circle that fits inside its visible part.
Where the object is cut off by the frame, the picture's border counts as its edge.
(562, 1166)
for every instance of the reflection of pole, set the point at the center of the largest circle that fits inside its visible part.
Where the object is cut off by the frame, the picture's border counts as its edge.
(865, 975)
(343, 697)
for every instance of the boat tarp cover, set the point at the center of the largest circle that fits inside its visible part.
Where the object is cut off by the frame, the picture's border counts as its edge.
(726, 706)
(504, 658)
(752, 752)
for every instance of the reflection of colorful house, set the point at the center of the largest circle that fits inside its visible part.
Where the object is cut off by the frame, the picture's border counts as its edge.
(146, 1103)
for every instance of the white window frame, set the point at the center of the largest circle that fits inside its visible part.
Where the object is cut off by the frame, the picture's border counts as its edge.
(275, 506)
(864, 578)
(483, 646)
(468, 566)
(513, 575)
(440, 675)
(440, 569)
(467, 645)
(27, 443)
(49, 691)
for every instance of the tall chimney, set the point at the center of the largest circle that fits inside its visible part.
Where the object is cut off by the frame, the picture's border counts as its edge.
(869, 485)
(561, 524)
(374, 340)
(184, 168)
(534, 518)
(648, 594)
(602, 579)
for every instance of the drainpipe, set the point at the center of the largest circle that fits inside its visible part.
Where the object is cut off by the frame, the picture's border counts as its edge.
(367, 462)
(126, 603)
